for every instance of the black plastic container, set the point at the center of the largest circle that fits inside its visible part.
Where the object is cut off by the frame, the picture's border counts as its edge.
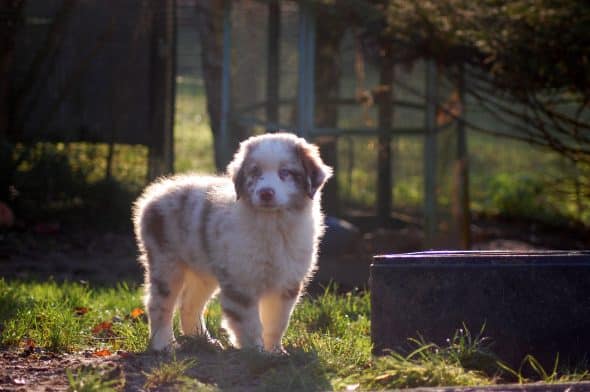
(531, 302)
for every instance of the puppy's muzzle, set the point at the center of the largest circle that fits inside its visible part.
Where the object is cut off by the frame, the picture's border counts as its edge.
(266, 195)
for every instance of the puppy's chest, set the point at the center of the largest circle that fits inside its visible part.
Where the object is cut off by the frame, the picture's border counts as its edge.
(269, 258)
(272, 253)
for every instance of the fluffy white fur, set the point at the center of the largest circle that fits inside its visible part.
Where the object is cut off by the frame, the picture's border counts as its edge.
(251, 235)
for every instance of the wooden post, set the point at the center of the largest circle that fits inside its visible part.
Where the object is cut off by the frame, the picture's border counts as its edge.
(161, 152)
(110, 156)
(461, 200)
(210, 25)
(273, 64)
(324, 63)
(225, 85)
(385, 101)
(430, 156)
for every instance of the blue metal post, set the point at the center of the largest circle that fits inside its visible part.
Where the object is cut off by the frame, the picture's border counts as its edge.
(306, 64)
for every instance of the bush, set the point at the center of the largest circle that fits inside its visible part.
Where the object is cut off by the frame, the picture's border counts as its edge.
(67, 183)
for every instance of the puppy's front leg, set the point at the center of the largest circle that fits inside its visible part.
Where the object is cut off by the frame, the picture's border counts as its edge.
(275, 310)
(241, 319)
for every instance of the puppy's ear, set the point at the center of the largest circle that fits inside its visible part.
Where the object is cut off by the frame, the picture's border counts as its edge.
(317, 173)
(235, 169)
(239, 180)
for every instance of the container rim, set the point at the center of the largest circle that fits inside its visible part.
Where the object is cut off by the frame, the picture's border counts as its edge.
(477, 257)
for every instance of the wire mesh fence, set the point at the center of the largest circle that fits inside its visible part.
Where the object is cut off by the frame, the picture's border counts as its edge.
(86, 72)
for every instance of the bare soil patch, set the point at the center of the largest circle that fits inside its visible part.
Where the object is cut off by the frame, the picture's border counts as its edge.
(42, 371)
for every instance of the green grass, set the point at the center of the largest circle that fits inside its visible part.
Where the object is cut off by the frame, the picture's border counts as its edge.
(67, 317)
(89, 379)
(328, 340)
(193, 141)
(172, 373)
(507, 178)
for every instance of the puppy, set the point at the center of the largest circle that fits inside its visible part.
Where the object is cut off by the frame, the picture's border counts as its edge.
(251, 235)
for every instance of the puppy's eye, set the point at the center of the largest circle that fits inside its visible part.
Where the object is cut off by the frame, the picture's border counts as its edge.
(255, 171)
(284, 173)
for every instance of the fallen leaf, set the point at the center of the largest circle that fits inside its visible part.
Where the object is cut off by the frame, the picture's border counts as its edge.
(102, 353)
(135, 313)
(27, 343)
(103, 328)
(80, 310)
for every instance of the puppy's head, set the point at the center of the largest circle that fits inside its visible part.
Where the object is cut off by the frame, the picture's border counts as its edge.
(277, 171)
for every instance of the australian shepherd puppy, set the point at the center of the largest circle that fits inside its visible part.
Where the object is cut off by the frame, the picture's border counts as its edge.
(252, 236)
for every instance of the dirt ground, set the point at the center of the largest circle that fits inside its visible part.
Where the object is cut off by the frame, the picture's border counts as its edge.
(104, 258)
(41, 371)
(21, 371)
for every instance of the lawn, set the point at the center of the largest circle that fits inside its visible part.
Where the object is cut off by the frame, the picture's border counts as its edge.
(328, 341)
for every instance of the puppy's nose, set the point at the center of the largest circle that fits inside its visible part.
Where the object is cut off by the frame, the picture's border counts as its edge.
(266, 194)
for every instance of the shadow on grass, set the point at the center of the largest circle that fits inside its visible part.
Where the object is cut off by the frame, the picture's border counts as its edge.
(200, 364)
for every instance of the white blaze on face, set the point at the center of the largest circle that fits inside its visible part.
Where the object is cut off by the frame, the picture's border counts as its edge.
(272, 171)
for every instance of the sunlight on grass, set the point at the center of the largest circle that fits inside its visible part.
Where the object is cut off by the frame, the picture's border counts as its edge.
(64, 317)
(555, 375)
(507, 177)
(193, 140)
(397, 371)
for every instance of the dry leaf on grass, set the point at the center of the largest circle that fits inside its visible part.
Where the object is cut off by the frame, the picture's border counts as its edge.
(135, 313)
(102, 353)
(81, 310)
(103, 329)
(27, 343)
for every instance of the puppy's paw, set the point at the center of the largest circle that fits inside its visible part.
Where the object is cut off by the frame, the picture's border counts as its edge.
(215, 343)
(279, 350)
(163, 347)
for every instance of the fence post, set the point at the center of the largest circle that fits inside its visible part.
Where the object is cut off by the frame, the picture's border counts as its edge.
(273, 65)
(461, 208)
(430, 155)
(306, 66)
(225, 84)
(385, 103)
(161, 150)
